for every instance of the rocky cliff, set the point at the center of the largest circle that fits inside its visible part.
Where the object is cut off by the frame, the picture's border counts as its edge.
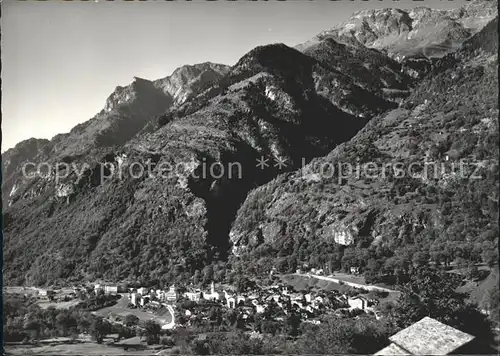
(125, 113)
(409, 33)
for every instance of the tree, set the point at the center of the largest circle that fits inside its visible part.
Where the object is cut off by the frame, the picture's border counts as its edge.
(65, 322)
(343, 336)
(152, 332)
(490, 254)
(34, 326)
(420, 258)
(208, 274)
(197, 277)
(293, 324)
(433, 293)
(99, 329)
(131, 320)
(243, 284)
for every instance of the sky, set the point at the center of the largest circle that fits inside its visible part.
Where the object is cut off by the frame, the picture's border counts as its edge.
(61, 60)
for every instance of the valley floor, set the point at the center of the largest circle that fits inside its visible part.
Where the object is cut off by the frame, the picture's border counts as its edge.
(80, 348)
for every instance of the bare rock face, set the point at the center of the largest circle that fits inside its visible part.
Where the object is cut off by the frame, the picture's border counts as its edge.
(127, 110)
(13, 160)
(409, 33)
(186, 81)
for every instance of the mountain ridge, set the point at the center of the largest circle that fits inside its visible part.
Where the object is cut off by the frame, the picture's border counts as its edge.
(408, 33)
(125, 113)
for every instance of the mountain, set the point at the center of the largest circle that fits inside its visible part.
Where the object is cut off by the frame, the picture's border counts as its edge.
(276, 102)
(13, 158)
(125, 113)
(166, 181)
(410, 33)
(423, 186)
(186, 81)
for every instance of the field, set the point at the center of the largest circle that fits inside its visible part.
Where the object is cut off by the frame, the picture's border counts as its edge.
(121, 309)
(84, 348)
(303, 283)
(59, 305)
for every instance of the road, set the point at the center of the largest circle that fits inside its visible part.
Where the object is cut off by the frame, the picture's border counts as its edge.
(347, 283)
(120, 308)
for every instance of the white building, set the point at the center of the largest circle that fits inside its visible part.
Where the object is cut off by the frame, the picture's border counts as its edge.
(231, 302)
(213, 295)
(358, 302)
(110, 289)
(134, 297)
(142, 291)
(354, 270)
(171, 295)
(258, 307)
(193, 296)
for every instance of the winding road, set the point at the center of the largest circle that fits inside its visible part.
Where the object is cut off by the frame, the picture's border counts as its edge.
(120, 308)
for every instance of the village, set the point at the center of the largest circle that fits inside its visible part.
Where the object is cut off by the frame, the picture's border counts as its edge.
(188, 305)
(284, 306)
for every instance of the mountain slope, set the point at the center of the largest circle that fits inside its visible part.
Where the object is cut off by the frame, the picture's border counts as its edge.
(126, 112)
(156, 203)
(275, 102)
(416, 197)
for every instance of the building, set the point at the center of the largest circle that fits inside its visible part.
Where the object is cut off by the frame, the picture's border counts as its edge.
(213, 295)
(110, 289)
(160, 295)
(134, 298)
(193, 296)
(258, 307)
(358, 302)
(144, 300)
(428, 337)
(171, 295)
(142, 291)
(231, 302)
(354, 270)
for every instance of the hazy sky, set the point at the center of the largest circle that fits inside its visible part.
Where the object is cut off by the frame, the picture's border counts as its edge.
(61, 60)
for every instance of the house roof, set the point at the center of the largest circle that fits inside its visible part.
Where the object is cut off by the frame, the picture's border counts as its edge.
(430, 337)
(392, 349)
